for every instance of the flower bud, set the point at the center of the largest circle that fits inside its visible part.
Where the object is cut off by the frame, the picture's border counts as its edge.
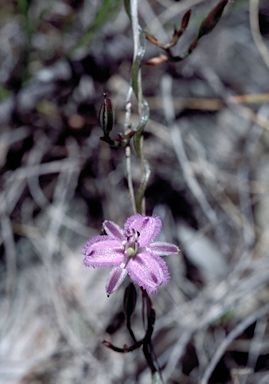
(106, 115)
(129, 301)
(115, 323)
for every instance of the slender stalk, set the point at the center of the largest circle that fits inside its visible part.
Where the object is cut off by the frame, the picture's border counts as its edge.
(143, 171)
(129, 177)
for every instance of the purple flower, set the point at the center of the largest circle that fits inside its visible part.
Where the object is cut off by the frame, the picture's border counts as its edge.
(131, 251)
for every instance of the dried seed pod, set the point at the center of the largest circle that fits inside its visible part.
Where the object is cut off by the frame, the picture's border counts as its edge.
(209, 23)
(212, 19)
(185, 20)
(106, 116)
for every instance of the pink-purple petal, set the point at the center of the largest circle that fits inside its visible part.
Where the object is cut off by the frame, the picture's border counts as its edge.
(87, 247)
(103, 251)
(148, 227)
(113, 230)
(100, 243)
(116, 277)
(163, 249)
(148, 271)
(103, 260)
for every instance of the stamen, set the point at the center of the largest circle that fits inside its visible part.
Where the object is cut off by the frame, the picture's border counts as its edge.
(131, 245)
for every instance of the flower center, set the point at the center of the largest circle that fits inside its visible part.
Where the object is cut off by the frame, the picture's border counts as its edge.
(131, 245)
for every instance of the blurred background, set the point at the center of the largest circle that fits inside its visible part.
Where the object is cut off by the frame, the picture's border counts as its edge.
(207, 145)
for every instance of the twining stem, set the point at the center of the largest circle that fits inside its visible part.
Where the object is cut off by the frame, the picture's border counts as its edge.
(134, 19)
(135, 29)
(143, 110)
